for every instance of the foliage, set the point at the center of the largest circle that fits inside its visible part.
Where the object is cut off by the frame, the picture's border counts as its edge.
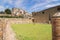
(7, 11)
(11, 17)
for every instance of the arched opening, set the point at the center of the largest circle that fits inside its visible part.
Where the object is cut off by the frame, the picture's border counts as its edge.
(33, 20)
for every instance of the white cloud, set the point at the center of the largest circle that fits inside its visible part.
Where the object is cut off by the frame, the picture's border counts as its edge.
(2, 8)
(52, 0)
(18, 3)
(55, 0)
(15, 3)
(38, 5)
(41, 4)
(51, 5)
(8, 1)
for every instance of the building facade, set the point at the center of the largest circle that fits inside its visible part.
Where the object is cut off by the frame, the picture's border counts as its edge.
(17, 12)
(45, 15)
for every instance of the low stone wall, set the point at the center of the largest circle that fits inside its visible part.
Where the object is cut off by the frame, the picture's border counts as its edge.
(2, 27)
(6, 32)
(18, 20)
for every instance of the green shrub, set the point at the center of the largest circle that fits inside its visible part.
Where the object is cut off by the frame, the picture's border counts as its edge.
(11, 17)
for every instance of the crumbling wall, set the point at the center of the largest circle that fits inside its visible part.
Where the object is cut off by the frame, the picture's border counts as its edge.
(2, 27)
(6, 32)
(18, 20)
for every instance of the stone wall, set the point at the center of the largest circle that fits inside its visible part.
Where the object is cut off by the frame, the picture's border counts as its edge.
(43, 16)
(5, 33)
(18, 20)
(2, 27)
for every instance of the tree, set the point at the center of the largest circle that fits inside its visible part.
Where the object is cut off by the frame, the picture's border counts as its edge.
(7, 11)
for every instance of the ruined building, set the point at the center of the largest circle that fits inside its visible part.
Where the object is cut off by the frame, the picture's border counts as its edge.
(17, 12)
(44, 16)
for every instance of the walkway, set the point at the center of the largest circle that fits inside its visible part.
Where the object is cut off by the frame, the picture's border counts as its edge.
(9, 33)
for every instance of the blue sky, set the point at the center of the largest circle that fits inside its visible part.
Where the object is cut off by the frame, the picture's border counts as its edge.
(28, 5)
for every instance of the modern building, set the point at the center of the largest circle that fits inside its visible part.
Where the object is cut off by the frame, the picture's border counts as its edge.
(44, 16)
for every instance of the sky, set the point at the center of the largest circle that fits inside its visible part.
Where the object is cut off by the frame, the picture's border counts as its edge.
(28, 5)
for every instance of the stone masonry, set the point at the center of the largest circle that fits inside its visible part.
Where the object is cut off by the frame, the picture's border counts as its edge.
(2, 26)
(44, 16)
(6, 32)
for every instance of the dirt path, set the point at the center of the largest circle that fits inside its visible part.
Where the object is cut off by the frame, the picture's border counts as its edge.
(9, 33)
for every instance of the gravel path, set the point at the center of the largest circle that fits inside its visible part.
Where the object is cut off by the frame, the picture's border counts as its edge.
(9, 33)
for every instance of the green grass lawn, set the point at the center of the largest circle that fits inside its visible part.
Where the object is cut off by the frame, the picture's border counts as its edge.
(33, 31)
